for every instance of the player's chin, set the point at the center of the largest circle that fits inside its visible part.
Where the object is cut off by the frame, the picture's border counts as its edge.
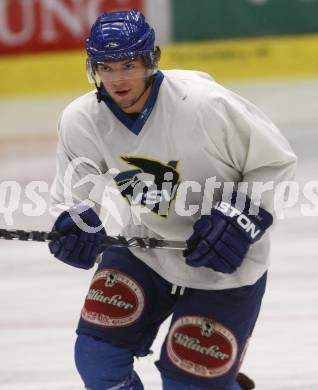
(125, 104)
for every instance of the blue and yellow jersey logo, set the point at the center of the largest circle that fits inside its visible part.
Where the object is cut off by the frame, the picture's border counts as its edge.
(151, 183)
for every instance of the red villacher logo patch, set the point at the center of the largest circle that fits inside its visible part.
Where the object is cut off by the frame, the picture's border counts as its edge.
(113, 300)
(201, 347)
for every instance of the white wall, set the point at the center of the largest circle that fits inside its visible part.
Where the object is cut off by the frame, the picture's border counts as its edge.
(158, 15)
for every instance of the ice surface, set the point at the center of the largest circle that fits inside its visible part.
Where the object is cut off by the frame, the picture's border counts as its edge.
(40, 298)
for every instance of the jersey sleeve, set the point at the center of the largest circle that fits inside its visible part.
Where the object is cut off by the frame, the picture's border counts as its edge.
(81, 172)
(249, 142)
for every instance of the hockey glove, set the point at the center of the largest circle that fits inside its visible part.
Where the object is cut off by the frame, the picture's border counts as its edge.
(221, 240)
(76, 246)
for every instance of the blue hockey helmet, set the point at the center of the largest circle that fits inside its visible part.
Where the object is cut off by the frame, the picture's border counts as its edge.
(116, 36)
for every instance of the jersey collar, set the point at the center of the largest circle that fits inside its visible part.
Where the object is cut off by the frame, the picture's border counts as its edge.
(135, 126)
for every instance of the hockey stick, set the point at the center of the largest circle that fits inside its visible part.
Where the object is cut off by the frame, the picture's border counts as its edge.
(114, 241)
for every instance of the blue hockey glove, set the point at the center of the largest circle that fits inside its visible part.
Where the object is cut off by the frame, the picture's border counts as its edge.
(76, 246)
(221, 240)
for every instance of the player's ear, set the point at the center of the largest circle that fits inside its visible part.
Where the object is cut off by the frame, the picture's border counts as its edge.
(157, 55)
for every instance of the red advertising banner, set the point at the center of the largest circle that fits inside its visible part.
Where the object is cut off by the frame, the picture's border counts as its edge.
(47, 25)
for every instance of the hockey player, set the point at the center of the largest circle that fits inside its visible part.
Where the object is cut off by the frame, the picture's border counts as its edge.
(189, 158)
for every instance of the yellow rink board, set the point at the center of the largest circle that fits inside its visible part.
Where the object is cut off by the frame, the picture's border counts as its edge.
(226, 60)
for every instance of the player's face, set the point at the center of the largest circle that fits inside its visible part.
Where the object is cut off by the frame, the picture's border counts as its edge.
(126, 82)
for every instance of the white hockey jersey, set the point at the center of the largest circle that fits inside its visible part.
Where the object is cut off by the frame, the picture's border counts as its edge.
(198, 139)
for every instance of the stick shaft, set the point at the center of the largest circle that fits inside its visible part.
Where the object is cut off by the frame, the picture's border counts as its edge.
(114, 241)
